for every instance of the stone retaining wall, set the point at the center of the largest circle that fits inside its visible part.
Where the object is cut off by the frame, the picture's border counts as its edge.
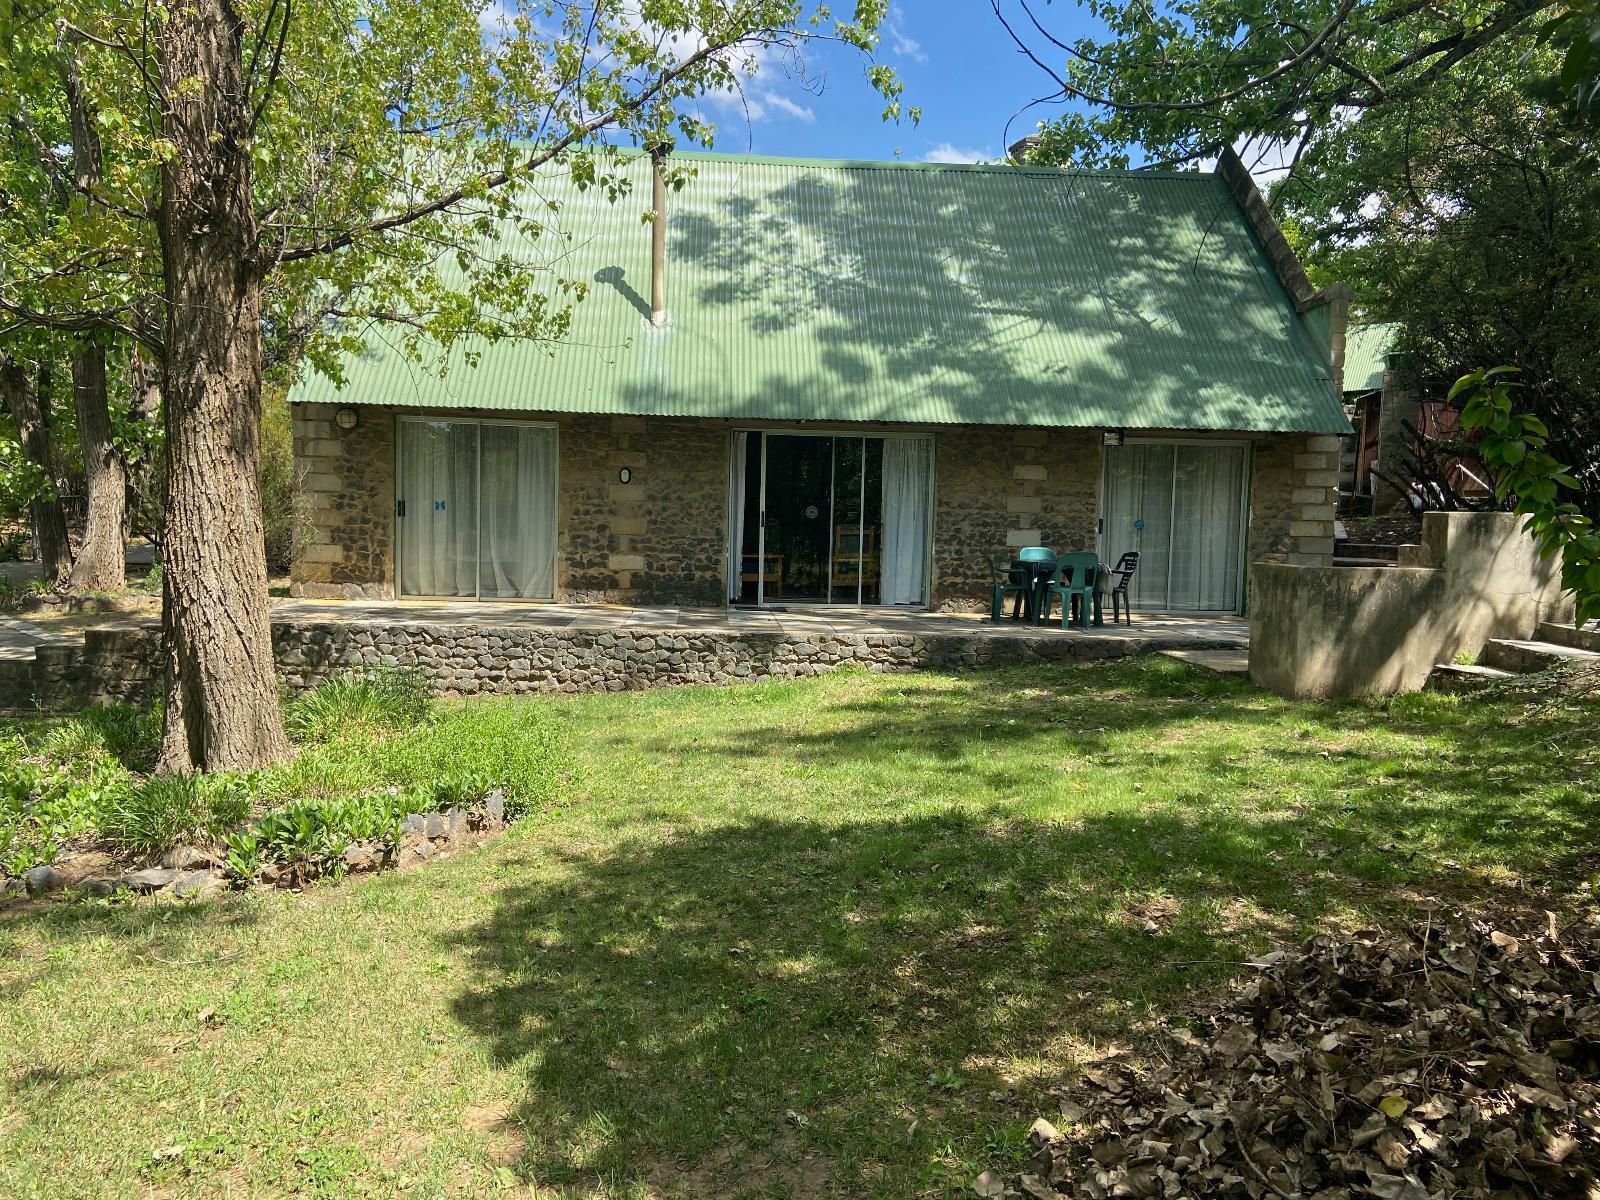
(122, 665)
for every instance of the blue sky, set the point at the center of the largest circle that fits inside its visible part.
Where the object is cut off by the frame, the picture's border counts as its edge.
(957, 62)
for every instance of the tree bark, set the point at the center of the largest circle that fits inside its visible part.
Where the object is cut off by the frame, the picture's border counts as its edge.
(103, 554)
(144, 406)
(27, 409)
(222, 697)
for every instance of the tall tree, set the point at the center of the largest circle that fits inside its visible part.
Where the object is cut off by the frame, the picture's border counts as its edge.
(101, 563)
(1175, 81)
(28, 404)
(304, 169)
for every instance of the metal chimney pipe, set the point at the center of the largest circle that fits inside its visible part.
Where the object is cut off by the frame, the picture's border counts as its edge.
(658, 240)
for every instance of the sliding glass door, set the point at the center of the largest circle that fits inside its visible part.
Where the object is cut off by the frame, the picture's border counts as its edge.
(1182, 507)
(476, 509)
(829, 519)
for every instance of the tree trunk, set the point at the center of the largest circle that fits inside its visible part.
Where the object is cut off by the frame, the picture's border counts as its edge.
(144, 406)
(222, 696)
(103, 554)
(33, 430)
(102, 557)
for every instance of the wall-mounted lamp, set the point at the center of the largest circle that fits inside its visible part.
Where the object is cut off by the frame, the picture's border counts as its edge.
(346, 418)
(625, 475)
(1111, 437)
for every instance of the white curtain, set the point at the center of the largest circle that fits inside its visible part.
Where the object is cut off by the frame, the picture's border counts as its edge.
(906, 465)
(736, 501)
(1138, 516)
(439, 488)
(518, 506)
(1207, 535)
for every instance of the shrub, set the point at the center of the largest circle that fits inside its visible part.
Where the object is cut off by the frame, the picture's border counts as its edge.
(313, 832)
(163, 811)
(359, 704)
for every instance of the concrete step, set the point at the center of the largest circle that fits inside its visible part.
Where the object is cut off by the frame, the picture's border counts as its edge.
(1373, 550)
(1459, 679)
(1341, 561)
(1525, 657)
(1587, 638)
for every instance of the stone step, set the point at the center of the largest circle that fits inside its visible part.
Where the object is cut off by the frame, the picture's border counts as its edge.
(1374, 550)
(1342, 561)
(1587, 638)
(1457, 679)
(1525, 657)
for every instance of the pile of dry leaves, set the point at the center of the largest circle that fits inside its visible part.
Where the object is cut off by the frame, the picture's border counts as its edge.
(1450, 1061)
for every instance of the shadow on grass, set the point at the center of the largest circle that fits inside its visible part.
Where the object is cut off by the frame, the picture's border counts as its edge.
(696, 1008)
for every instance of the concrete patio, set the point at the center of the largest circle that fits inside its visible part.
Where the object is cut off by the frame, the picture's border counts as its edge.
(1172, 630)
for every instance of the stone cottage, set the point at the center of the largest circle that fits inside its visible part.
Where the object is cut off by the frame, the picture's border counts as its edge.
(867, 379)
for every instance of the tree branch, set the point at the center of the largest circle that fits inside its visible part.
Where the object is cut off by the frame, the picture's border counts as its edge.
(448, 200)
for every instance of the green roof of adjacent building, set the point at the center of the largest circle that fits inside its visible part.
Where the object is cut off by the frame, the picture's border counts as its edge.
(1366, 351)
(888, 292)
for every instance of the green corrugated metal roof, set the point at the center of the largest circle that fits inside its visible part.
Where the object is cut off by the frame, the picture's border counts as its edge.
(1366, 349)
(810, 291)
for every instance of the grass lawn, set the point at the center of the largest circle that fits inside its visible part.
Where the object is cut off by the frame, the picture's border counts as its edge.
(829, 937)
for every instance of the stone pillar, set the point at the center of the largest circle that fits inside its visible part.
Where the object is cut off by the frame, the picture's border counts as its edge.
(344, 484)
(1401, 403)
(1293, 499)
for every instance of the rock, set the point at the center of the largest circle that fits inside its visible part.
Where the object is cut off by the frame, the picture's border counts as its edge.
(13, 887)
(435, 826)
(1043, 1133)
(363, 856)
(198, 885)
(97, 885)
(41, 879)
(186, 858)
(269, 872)
(456, 822)
(989, 1185)
(151, 879)
(415, 822)
(495, 805)
(423, 849)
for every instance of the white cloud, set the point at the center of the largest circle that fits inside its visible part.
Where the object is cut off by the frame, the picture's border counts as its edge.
(785, 105)
(946, 152)
(495, 18)
(900, 41)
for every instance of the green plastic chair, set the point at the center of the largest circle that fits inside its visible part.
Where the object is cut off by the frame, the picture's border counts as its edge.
(1075, 577)
(1007, 581)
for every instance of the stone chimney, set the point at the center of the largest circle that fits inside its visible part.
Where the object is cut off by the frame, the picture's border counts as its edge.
(1020, 149)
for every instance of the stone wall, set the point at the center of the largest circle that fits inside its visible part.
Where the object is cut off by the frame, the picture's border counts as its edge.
(1000, 488)
(122, 664)
(661, 538)
(1351, 631)
(658, 539)
(1293, 499)
(346, 483)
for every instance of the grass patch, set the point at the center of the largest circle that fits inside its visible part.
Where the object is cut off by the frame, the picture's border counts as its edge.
(373, 746)
(830, 937)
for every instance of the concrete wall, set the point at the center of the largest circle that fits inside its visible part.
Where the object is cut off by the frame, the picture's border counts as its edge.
(1352, 631)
